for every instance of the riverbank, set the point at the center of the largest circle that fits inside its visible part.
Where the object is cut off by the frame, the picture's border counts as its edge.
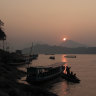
(8, 80)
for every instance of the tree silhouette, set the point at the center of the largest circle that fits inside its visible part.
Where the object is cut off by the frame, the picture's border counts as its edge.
(2, 33)
(1, 23)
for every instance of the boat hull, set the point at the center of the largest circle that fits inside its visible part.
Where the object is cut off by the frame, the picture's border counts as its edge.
(42, 80)
(70, 78)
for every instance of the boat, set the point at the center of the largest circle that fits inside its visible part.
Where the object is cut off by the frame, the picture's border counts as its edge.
(69, 76)
(43, 73)
(49, 54)
(17, 64)
(52, 57)
(70, 56)
(52, 54)
(33, 57)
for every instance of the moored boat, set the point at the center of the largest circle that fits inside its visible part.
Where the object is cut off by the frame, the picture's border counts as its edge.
(52, 57)
(70, 56)
(43, 73)
(69, 76)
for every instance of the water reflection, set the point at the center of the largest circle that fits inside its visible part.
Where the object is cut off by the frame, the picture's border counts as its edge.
(61, 88)
(64, 88)
(63, 59)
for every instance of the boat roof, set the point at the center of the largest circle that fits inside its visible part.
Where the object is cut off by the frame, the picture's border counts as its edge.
(49, 66)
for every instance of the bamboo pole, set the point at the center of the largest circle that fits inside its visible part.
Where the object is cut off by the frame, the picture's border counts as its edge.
(3, 46)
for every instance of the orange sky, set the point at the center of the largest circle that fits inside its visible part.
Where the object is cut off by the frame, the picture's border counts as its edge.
(48, 21)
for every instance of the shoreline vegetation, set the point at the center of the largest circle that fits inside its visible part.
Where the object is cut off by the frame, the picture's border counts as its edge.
(8, 79)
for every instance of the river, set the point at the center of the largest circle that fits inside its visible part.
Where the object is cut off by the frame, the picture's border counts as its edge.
(83, 65)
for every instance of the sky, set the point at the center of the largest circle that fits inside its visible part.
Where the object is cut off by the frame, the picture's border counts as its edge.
(48, 21)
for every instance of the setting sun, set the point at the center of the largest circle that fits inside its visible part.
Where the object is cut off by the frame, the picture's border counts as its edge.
(64, 39)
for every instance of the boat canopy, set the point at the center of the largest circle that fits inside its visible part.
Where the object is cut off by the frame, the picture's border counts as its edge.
(49, 66)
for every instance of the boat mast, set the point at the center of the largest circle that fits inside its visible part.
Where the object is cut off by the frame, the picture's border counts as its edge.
(31, 49)
(30, 53)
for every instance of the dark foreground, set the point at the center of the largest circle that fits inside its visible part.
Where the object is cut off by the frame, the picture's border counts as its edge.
(8, 80)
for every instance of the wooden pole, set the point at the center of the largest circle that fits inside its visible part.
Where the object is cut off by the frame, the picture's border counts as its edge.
(3, 46)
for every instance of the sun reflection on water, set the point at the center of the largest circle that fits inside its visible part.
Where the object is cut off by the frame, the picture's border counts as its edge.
(64, 60)
(64, 88)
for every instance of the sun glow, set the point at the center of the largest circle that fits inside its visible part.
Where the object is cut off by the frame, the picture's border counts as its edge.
(64, 39)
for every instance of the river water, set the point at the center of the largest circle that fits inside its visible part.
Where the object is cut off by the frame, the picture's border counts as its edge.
(85, 68)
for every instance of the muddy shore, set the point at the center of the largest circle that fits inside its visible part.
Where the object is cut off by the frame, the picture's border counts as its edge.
(8, 80)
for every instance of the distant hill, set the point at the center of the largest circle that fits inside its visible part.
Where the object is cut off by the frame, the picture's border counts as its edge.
(72, 44)
(47, 49)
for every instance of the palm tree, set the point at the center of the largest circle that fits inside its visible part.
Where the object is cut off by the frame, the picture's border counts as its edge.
(2, 33)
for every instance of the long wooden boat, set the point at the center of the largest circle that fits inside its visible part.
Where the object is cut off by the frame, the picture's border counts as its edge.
(70, 56)
(43, 73)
